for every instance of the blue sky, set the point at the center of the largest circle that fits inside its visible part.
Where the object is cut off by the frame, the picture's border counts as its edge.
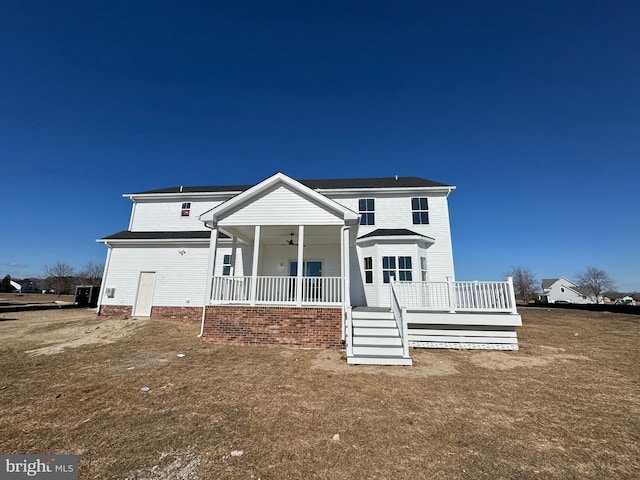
(532, 109)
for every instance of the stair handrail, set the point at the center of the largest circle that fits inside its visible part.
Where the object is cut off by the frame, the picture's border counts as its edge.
(399, 315)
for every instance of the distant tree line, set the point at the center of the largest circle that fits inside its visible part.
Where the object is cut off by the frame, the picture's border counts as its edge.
(61, 278)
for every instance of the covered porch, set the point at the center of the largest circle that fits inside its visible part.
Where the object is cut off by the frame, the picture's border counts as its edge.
(262, 268)
(285, 280)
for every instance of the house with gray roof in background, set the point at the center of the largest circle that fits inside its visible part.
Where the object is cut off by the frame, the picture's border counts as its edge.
(562, 290)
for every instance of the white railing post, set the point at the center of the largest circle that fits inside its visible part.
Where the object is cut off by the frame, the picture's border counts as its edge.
(254, 267)
(512, 295)
(452, 295)
(349, 333)
(405, 332)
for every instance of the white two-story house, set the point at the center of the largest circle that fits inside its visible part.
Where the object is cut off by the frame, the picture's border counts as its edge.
(364, 263)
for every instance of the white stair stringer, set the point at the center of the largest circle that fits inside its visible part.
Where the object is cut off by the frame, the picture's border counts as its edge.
(376, 340)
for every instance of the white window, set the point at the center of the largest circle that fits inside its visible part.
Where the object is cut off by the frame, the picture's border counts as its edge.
(423, 269)
(404, 269)
(420, 210)
(366, 209)
(368, 269)
(396, 267)
(226, 265)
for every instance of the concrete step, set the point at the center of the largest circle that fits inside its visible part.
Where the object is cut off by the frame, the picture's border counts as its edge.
(392, 341)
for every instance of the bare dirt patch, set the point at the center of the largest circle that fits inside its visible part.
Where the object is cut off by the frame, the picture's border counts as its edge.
(426, 364)
(57, 330)
(564, 406)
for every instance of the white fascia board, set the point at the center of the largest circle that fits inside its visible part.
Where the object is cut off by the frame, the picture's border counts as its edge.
(181, 196)
(212, 215)
(160, 241)
(385, 190)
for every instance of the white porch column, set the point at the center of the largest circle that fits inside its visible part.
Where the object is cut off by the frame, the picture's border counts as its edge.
(213, 247)
(300, 265)
(346, 270)
(254, 267)
(234, 246)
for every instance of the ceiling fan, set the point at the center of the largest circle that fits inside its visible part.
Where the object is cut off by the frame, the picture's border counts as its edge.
(290, 241)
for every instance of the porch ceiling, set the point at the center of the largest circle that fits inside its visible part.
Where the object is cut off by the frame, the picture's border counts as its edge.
(279, 234)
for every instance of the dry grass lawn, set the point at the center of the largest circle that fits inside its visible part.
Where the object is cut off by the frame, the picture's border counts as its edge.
(566, 406)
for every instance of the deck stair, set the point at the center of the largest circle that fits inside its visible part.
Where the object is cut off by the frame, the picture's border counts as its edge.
(376, 340)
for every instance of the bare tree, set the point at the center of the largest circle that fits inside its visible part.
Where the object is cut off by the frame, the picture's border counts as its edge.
(595, 281)
(91, 273)
(524, 282)
(59, 277)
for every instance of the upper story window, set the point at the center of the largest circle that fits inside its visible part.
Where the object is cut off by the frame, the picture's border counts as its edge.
(366, 209)
(420, 210)
(186, 209)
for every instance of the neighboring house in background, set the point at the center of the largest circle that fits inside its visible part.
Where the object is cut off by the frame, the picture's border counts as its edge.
(377, 270)
(562, 290)
(28, 286)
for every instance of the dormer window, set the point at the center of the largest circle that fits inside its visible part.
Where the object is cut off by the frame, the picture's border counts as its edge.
(366, 209)
(420, 210)
(186, 209)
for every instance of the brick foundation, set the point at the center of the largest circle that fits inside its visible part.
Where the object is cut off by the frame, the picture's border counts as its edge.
(185, 314)
(273, 326)
(115, 311)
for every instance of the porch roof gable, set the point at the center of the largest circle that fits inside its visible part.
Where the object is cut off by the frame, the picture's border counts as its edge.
(279, 179)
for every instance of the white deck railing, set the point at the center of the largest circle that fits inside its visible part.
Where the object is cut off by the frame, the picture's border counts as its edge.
(453, 296)
(274, 290)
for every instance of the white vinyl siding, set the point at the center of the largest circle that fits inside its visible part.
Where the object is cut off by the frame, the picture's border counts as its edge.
(394, 212)
(180, 279)
(165, 216)
(281, 206)
(277, 207)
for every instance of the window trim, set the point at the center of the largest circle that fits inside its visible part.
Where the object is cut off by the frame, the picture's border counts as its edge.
(421, 211)
(368, 213)
(368, 270)
(227, 265)
(393, 269)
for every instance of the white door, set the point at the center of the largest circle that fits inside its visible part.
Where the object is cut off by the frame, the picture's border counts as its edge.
(144, 299)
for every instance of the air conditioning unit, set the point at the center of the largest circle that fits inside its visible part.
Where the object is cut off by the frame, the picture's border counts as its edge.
(110, 292)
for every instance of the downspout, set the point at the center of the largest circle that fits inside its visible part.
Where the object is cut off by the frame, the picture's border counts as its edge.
(345, 287)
